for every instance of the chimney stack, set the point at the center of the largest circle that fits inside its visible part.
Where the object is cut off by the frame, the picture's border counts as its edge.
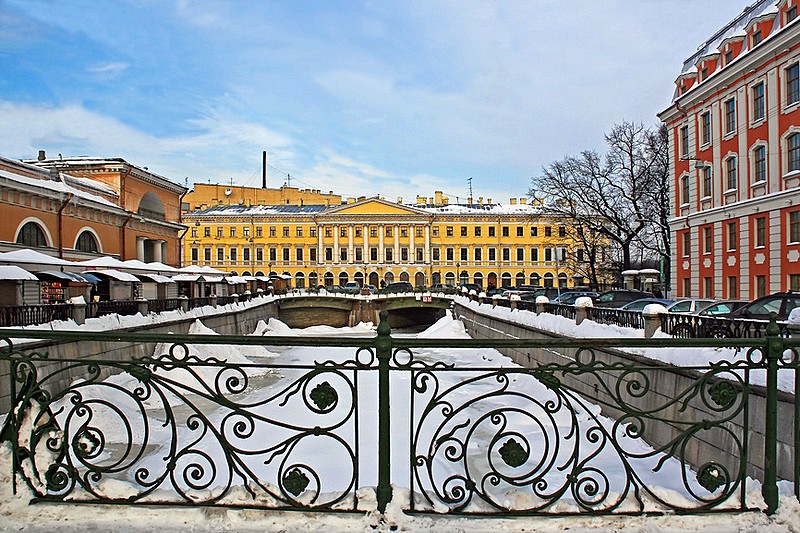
(41, 155)
(513, 201)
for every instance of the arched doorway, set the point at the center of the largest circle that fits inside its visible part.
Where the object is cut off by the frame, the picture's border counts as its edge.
(373, 278)
(463, 278)
(520, 279)
(478, 277)
(403, 276)
(436, 279)
(328, 279)
(491, 280)
(450, 278)
(548, 280)
(343, 279)
(562, 280)
(312, 280)
(358, 277)
(536, 279)
(506, 279)
(419, 279)
(389, 277)
(300, 280)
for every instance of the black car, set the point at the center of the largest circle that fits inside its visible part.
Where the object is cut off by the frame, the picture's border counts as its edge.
(399, 286)
(619, 297)
(781, 303)
(470, 287)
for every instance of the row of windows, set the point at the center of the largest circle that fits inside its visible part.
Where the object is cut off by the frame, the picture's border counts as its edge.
(550, 254)
(730, 178)
(732, 286)
(758, 107)
(732, 235)
(33, 236)
(373, 231)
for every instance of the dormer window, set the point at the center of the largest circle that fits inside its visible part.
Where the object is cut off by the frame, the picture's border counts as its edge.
(728, 56)
(703, 73)
(756, 38)
(791, 14)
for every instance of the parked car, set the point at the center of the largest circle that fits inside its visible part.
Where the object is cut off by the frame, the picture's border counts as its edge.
(551, 292)
(443, 287)
(470, 287)
(641, 303)
(780, 303)
(351, 287)
(569, 297)
(494, 290)
(371, 288)
(689, 305)
(619, 297)
(722, 308)
(399, 286)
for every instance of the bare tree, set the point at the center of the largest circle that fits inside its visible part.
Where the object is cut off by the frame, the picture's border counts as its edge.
(619, 196)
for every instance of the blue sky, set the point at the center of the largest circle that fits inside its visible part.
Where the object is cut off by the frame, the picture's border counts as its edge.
(396, 98)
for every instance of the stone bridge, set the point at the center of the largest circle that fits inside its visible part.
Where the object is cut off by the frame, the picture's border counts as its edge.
(404, 310)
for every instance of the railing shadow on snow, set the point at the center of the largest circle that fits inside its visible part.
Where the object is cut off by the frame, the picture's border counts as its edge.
(188, 427)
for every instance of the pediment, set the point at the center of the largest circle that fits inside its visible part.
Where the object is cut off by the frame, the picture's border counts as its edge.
(375, 206)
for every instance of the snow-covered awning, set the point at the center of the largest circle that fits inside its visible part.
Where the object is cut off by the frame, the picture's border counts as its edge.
(103, 262)
(65, 276)
(158, 278)
(186, 277)
(117, 275)
(15, 273)
(32, 256)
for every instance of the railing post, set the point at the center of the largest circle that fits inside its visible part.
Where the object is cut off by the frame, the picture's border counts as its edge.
(143, 306)
(774, 352)
(184, 303)
(383, 348)
(79, 310)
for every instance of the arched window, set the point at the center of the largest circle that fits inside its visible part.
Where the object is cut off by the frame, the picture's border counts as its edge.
(562, 280)
(793, 152)
(506, 279)
(343, 279)
(478, 277)
(300, 280)
(32, 235)
(358, 277)
(450, 278)
(328, 279)
(520, 279)
(548, 280)
(151, 206)
(389, 277)
(86, 242)
(437, 278)
(312, 279)
(246, 273)
(403, 276)
(535, 279)
(419, 279)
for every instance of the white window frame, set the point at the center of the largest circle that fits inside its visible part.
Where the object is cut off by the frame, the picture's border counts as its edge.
(757, 121)
(785, 150)
(787, 105)
(753, 181)
(729, 133)
(705, 128)
(726, 170)
(685, 187)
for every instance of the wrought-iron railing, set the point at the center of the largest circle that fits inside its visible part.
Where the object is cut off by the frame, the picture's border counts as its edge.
(692, 326)
(167, 304)
(619, 317)
(224, 300)
(178, 428)
(26, 315)
(567, 311)
(199, 302)
(111, 307)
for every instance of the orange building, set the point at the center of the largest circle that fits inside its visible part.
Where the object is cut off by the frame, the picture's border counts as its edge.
(734, 126)
(78, 209)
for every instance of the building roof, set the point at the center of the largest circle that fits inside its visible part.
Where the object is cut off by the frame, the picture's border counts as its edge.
(259, 210)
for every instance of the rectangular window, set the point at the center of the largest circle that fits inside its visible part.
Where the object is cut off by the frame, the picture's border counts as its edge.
(418, 231)
(733, 287)
(708, 287)
(342, 232)
(506, 254)
(686, 247)
(562, 231)
(534, 231)
(435, 254)
(232, 232)
(299, 232)
(272, 231)
(757, 37)
(328, 232)
(373, 232)
(328, 253)
(759, 103)
(760, 164)
(705, 128)
(463, 252)
(220, 254)
(794, 282)
(703, 73)
(373, 254)
(477, 231)
(548, 254)
(435, 231)
(505, 231)
(207, 232)
(245, 254)
(733, 236)
(728, 57)
(285, 231)
(706, 182)
(492, 254)
(219, 232)
(245, 232)
(687, 288)
(404, 231)
(761, 232)
(449, 254)
(708, 241)
(312, 254)
(404, 254)
(419, 255)
(194, 233)
(358, 231)
(730, 174)
(684, 136)
(520, 254)
(492, 231)
(298, 254)
(312, 231)
(761, 286)
(343, 254)
(207, 255)
(389, 254)
(359, 253)
(793, 84)
(273, 254)
(449, 231)
(388, 231)
(580, 255)
(791, 14)
(794, 227)
(478, 254)
(730, 115)
(793, 152)
(463, 231)
(259, 232)
(520, 231)
(233, 254)
(260, 254)
(684, 190)
(286, 254)
(534, 254)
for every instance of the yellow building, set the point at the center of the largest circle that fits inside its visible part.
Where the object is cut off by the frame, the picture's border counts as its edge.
(375, 241)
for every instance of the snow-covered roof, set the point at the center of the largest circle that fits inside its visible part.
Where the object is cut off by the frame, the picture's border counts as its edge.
(259, 210)
(103, 262)
(158, 278)
(115, 274)
(13, 272)
(478, 209)
(58, 186)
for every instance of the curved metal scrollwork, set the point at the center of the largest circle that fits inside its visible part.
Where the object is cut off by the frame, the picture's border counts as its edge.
(521, 440)
(185, 429)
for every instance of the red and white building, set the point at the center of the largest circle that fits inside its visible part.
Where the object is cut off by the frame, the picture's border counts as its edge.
(734, 126)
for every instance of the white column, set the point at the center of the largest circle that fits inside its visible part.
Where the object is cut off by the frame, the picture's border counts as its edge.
(396, 243)
(365, 251)
(381, 256)
(140, 248)
(336, 243)
(164, 252)
(350, 236)
(320, 229)
(157, 251)
(411, 251)
(427, 251)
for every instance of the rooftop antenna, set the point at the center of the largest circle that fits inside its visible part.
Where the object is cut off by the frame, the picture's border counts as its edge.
(264, 169)
(469, 180)
(288, 180)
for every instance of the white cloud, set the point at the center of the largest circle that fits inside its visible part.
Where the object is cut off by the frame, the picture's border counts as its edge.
(109, 69)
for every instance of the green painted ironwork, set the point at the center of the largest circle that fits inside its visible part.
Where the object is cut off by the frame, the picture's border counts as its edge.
(481, 440)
